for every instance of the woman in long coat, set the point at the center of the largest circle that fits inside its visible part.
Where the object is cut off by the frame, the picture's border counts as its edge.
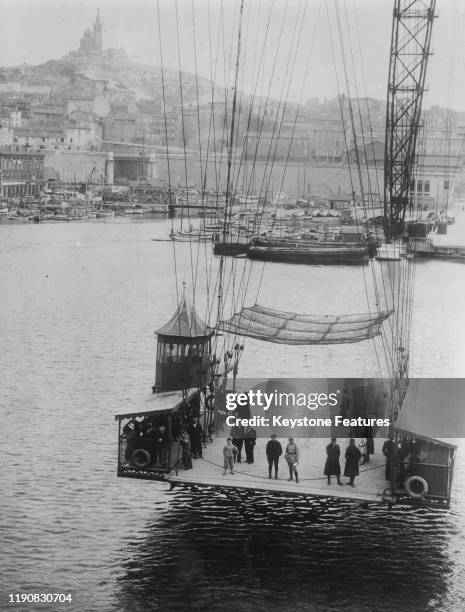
(332, 465)
(353, 456)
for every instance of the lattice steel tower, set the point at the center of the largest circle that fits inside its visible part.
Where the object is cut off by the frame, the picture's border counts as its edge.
(410, 49)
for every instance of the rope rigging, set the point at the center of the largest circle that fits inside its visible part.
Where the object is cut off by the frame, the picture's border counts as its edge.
(229, 281)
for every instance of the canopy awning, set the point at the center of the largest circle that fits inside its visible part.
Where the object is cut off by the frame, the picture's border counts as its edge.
(292, 328)
(433, 409)
(168, 401)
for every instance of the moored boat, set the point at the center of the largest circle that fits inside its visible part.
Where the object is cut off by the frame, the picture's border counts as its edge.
(135, 210)
(230, 247)
(310, 255)
(103, 214)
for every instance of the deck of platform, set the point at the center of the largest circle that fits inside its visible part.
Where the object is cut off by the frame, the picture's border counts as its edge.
(208, 471)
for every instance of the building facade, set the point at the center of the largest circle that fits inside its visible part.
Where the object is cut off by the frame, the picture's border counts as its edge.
(21, 173)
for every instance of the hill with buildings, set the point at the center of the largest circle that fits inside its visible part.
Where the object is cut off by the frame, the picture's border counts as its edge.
(96, 100)
(94, 95)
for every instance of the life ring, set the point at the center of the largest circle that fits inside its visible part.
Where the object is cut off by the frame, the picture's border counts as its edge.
(141, 457)
(416, 480)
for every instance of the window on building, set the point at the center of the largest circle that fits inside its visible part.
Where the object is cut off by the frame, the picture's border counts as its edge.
(446, 184)
(412, 186)
(420, 187)
(427, 187)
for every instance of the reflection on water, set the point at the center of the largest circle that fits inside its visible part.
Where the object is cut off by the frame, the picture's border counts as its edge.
(259, 553)
(78, 306)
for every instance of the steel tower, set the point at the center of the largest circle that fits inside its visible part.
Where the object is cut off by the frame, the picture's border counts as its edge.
(410, 49)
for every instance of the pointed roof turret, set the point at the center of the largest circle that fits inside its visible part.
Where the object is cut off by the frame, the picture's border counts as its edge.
(185, 323)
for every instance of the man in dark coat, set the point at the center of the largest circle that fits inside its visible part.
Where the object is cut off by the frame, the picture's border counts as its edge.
(274, 450)
(368, 434)
(195, 435)
(332, 466)
(249, 443)
(186, 451)
(388, 451)
(345, 404)
(353, 456)
(237, 434)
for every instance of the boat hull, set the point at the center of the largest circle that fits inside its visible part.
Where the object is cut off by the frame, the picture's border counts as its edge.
(230, 248)
(438, 254)
(320, 257)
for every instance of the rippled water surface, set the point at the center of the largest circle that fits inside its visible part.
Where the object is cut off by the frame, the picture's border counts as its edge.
(78, 307)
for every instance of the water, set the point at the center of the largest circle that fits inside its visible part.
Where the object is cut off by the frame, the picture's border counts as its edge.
(78, 306)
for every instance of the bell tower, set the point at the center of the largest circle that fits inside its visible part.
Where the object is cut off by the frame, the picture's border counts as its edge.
(98, 39)
(183, 350)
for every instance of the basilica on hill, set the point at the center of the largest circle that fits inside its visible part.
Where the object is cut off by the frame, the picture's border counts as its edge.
(91, 41)
(91, 44)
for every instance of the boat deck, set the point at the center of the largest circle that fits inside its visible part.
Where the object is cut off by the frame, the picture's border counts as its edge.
(208, 471)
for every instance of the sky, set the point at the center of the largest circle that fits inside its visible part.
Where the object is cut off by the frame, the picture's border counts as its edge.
(286, 45)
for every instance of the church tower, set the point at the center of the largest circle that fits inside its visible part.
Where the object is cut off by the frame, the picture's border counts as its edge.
(98, 27)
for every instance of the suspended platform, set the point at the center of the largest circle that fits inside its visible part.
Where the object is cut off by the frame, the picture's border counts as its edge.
(370, 486)
(139, 456)
(150, 447)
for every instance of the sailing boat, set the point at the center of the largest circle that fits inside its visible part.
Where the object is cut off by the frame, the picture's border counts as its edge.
(198, 400)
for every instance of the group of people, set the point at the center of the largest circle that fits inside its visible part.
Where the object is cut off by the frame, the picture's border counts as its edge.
(148, 429)
(333, 466)
(367, 447)
(186, 429)
(191, 439)
(243, 438)
(274, 450)
(240, 438)
(353, 457)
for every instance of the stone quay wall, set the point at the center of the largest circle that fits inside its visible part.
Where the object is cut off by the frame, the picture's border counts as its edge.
(80, 166)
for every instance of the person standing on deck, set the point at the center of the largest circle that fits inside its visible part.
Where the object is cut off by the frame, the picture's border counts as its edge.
(345, 404)
(370, 447)
(332, 465)
(388, 451)
(292, 457)
(274, 450)
(249, 443)
(228, 456)
(237, 434)
(353, 456)
(186, 451)
(195, 435)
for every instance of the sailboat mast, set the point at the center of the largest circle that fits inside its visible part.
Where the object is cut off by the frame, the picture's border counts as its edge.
(227, 204)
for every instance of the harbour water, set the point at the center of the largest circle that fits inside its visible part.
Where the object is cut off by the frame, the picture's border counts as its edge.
(78, 306)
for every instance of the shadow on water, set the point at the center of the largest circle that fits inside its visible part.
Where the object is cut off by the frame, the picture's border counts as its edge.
(255, 552)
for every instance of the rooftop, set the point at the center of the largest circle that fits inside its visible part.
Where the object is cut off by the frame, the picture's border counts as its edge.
(185, 323)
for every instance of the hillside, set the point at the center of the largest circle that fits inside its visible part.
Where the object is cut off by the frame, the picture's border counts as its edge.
(119, 74)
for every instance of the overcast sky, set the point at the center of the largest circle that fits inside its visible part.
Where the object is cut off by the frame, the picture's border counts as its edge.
(295, 52)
